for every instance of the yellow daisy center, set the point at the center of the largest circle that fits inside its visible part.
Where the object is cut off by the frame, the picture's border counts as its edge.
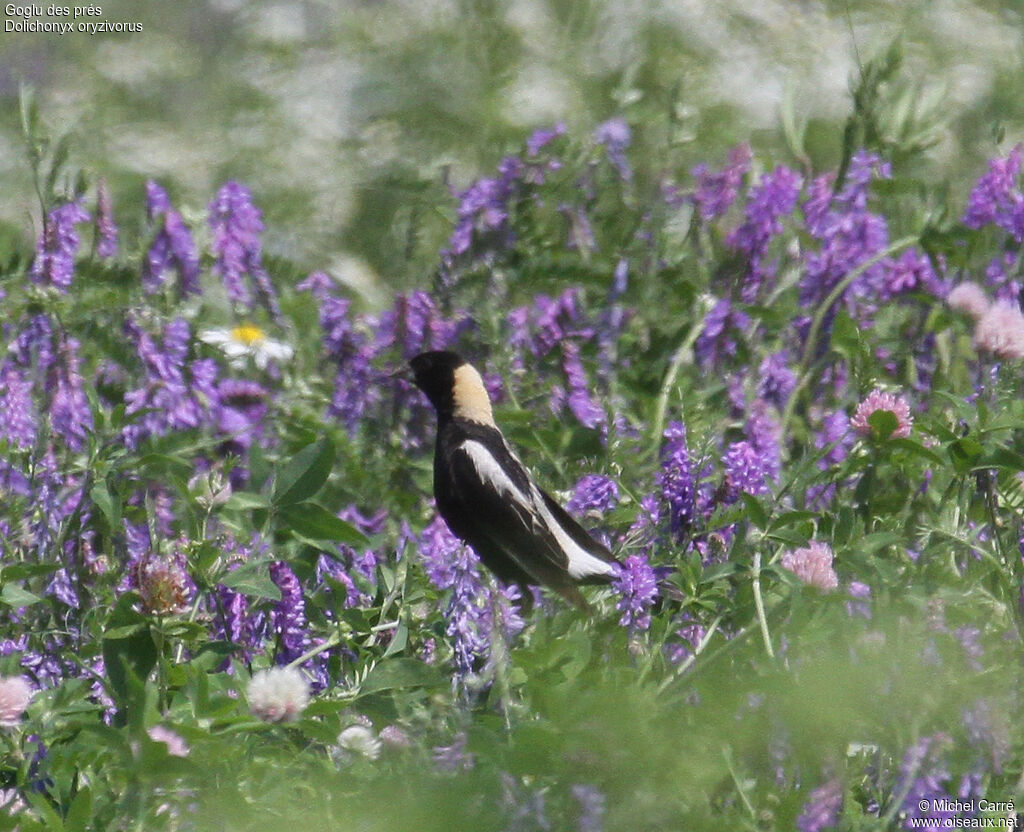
(248, 334)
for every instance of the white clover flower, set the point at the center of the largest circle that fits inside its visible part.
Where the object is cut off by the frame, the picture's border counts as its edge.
(360, 739)
(247, 341)
(15, 694)
(278, 694)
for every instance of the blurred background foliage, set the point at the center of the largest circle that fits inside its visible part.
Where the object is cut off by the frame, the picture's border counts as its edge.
(349, 119)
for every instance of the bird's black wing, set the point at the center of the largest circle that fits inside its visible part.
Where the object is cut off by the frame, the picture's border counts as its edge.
(580, 536)
(497, 508)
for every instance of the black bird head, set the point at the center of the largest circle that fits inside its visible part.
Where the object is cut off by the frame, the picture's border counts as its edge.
(453, 386)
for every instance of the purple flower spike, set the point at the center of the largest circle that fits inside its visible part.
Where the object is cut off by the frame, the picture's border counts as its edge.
(172, 247)
(676, 481)
(237, 224)
(997, 199)
(17, 412)
(771, 199)
(288, 617)
(594, 493)
(57, 246)
(716, 192)
(637, 585)
(821, 811)
(616, 136)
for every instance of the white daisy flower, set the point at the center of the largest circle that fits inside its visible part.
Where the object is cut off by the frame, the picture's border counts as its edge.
(247, 341)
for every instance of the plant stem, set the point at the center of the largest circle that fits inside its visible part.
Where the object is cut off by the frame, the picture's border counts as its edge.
(678, 359)
(759, 605)
(819, 318)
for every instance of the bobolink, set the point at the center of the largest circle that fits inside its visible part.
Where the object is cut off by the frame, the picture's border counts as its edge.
(490, 501)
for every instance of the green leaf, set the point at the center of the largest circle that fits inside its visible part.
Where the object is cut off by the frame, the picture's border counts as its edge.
(252, 579)
(105, 502)
(791, 518)
(80, 811)
(302, 476)
(402, 673)
(244, 500)
(755, 511)
(309, 520)
(128, 658)
(883, 423)
(14, 596)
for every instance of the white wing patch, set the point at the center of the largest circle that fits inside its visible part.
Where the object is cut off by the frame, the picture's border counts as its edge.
(582, 564)
(490, 472)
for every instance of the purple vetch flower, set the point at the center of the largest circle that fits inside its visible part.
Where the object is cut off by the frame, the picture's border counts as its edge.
(288, 617)
(236, 224)
(33, 347)
(172, 246)
(776, 380)
(17, 410)
(821, 811)
(717, 341)
(593, 494)
(849, 236)
(415, 324)
(243, 404)
(450, 564)
(589, 413)
(691, 633)
(637, 587)
(483, 214)
(926, 780)
(763, 431)
(70, 413)
(771, 199)
(676, 481)
(715, 193)
(590, 801)
(354, 393)
(616, 136)
(234, 619)
(57, 246)
(862, 606)
(911, 271)
(1001, 275)
(996, 197)
(106, 229)
(541, 138)
(177, 394)
(747, 470)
